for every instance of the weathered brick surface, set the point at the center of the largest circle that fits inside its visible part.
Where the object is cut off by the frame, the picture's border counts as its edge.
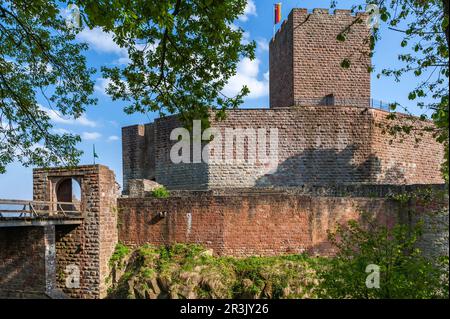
(306, 57)
(243, 223)
(318, 145)
(198, 220)
(141, 187)
(182, 175)
(90, 245)
(281, 66)
(435, 239)
(138, 158)
(434, 215)
(403, 160)
(268, 222)
(22, 262)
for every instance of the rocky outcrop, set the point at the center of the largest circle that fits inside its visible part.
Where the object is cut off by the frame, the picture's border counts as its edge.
(191, 272)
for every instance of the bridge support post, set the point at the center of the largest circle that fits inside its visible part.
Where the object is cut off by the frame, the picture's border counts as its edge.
(50, 259)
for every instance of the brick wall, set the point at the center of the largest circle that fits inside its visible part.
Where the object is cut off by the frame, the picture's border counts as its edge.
(321, 145)
(90, 245)
(196, 219)
(402, 159)
(22, 262)
(267, 222)
(138, 153)
(318, 145)
(243, 223)
(306, 57)
(281, 66)
(182, 175)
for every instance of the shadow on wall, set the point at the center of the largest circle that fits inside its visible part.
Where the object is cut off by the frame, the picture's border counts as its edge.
(328, 217)
(22, 264)
(328, 167)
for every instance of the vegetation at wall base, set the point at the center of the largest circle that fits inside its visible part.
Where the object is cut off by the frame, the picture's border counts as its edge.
(191, 271)
(404, 272)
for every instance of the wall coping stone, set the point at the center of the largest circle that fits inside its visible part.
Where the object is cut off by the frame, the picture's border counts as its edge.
(361, 190)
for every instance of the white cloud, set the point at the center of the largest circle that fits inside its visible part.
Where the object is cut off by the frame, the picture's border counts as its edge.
(6, 125)
(113, 138)
(245, 35)
(247, 74)
(101, 85)
(100, 41)
(60, 131)
(262, 44)
(90, 136)
(103, 42)
(123, 60)
(38, 146)
(245, 38)
(250, 9)
(57, 117)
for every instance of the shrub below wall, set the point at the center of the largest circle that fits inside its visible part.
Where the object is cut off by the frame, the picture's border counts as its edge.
(192, 272)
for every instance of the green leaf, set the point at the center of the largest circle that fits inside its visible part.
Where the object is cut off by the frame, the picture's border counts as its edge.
(346, 63)
(340, 37)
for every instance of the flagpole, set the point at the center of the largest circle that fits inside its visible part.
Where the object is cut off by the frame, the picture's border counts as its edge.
(93, 149)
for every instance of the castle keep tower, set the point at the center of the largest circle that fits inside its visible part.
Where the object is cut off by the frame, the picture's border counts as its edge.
(306, 57)
(334, 137)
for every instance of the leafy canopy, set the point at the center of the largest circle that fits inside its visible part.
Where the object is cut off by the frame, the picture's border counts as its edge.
(404, 272)
(38, 57)
(181, 54)
(425, 54)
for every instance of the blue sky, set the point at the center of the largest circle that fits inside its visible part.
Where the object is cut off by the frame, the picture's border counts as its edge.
(102, 123)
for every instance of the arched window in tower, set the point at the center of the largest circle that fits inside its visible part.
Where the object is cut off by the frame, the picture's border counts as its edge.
(68, 190)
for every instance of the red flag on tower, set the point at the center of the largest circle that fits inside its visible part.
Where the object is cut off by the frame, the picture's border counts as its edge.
(277, 12)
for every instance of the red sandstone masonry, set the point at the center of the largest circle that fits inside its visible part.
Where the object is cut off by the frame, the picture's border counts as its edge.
(281, 66)
(318, 145)
(22, 262)
(138, 158)
(401, 159)
(90, 245)
(306, 57)
(140, 223)
(244, 224)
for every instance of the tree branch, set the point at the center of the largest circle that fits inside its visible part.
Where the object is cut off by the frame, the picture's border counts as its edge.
(164, 44)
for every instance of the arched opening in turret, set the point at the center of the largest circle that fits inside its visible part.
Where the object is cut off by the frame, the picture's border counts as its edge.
(68, 192)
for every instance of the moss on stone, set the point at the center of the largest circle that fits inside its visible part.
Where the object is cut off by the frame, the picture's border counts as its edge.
(191, 271)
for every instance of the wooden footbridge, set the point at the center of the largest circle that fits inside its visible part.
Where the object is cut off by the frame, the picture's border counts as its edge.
(14, 213)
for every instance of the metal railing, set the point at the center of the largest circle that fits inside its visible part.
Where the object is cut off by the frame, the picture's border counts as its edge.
(39, 209)
(331, 100)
